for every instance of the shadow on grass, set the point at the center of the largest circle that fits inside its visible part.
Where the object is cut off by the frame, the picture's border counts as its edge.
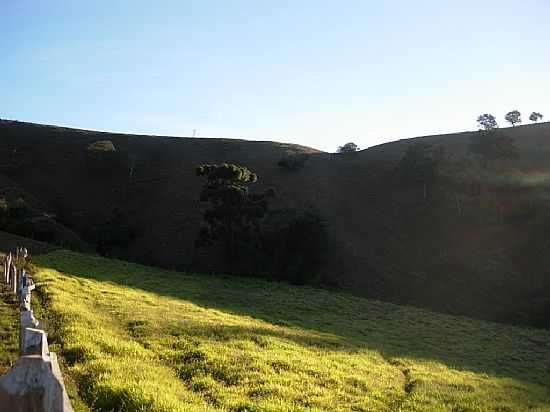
(333, 321)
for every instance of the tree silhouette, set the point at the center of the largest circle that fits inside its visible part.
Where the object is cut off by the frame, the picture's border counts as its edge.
(491, 146)
(234, 212)
(513, 117)
(487, 121)
(348, 148)
(535, 117)
(419, 166)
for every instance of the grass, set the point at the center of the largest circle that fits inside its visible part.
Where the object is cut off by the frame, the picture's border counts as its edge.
(9, 331)
(136, 338)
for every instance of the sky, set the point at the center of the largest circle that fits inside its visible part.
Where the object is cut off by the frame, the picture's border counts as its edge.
(317, 73)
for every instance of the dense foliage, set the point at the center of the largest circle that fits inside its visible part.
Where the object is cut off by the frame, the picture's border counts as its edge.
(235, 212)
(513, 117)
(294, 245)
(491, 146)
(348, 148)
(293, 161)
(487, 121)
(419, 167)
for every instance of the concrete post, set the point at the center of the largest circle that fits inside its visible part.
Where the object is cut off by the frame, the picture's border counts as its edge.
(14, 279)
(8, 268)
(26, 321)
(34, 383)
(34, 342)
(25, 300)
(5, 264)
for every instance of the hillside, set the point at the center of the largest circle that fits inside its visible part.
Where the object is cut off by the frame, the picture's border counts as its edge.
(478, 248)
(182, 342)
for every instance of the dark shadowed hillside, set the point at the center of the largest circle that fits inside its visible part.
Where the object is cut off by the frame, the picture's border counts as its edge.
(473, 241)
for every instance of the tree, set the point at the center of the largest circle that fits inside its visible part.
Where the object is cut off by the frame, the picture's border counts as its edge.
(513, 117)
(419, 166)
(487, 121)
(234, 213)
(294, 246)
(103, 159)
(348, 148)
(293, 161)
(535, 117)
(114, 234)
(491, 146)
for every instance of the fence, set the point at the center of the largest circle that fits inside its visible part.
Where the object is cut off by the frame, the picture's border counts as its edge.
(34, 383)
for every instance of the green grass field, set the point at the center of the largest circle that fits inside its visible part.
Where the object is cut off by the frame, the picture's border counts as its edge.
(136, 338)
(9, 329)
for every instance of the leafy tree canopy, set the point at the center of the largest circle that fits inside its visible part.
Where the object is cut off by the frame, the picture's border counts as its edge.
(487, 121)
(234, 212)
(513, 117)
(535, 117)
(348, 148)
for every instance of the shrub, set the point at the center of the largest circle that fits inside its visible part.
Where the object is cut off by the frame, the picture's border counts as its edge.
(294, 245)
(293, 161)
(102, 159)
(113, 235)
(101, 146)
(19, 209)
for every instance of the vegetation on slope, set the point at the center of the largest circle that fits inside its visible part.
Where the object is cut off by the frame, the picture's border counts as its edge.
(139, 338)
(9, 331)
(454, 223)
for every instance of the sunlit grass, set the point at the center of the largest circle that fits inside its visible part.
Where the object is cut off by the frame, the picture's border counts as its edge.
(138, 338)
(9, 329)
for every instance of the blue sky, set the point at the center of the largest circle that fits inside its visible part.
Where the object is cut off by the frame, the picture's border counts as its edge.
(318, 73)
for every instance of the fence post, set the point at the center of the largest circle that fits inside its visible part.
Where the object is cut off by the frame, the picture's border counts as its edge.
(34, 383)
(8, 268)
(14, 279)
(26, 320)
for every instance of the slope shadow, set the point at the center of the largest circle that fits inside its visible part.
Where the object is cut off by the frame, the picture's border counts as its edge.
(334, 321)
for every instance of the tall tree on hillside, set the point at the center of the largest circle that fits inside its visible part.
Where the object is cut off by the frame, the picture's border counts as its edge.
(234, 213)
(487, 121)
(535, 117)
(513, 117)
(419, 166)
(348, 148)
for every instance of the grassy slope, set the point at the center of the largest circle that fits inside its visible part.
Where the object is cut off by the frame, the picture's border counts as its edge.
(9, 332)
(139, 338)
(386, 241)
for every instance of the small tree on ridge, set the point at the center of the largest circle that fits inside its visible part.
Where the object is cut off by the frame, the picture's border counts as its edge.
(535, 117)
(487, 121)
(348, 148)
(513, 117)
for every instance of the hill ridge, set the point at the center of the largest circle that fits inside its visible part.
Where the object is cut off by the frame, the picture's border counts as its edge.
(465, 247)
